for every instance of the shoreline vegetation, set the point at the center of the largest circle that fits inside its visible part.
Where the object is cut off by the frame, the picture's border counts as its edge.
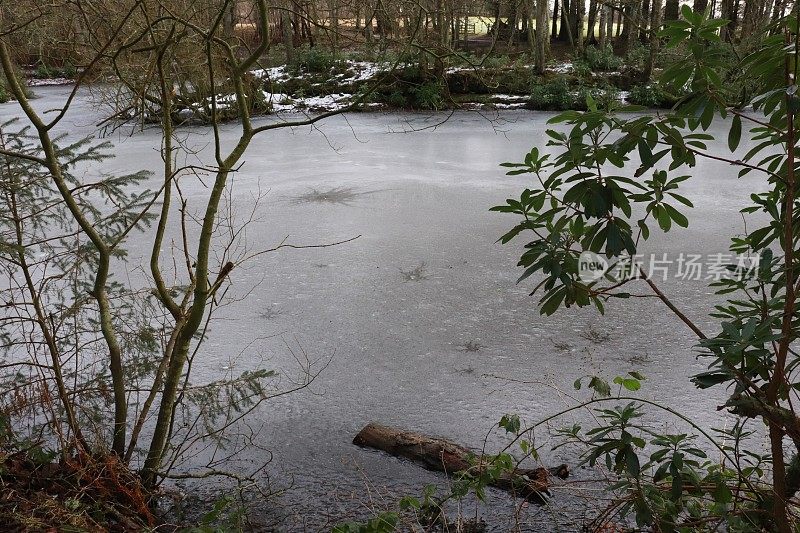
(319, 81)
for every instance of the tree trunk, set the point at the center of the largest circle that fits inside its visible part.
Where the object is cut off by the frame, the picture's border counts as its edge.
(565, 27)
(513, 22)
(644, 21)
(542, 37)
(554, 33)
(700, 5)
(655, 26)
(368, 25)
(672, 8)
(333, 13)
(532, 34)
(726, 13)
(288, 41)
(734, 17)
(313, 22)
(602, 39)
(228, 23)
(592, 22)
(630, 33)
(442, 455)
(566, 23)
(780, 8)
(580, 12)
(496, 26)
(299, 28)
(753, 17)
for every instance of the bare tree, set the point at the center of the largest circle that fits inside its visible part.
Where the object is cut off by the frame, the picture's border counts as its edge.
(118, 353)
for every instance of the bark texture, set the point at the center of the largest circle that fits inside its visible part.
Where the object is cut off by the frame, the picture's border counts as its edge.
(442, 455)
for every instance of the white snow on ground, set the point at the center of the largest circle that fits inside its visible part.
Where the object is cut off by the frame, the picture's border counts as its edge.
(272, 73)
(364, 70)
(508, 101)
(561, 68)
(511, 97)
(331, 102)
(224, 101)
(279, 101)
(361, 71)
(517, 105)
(34, 82)
(453, 70)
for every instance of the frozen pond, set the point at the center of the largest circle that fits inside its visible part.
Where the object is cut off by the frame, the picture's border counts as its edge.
(421, 311)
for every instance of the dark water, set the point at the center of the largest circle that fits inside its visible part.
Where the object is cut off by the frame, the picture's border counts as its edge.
(419, 320)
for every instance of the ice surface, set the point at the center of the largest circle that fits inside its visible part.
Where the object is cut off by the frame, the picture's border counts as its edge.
(421, 311)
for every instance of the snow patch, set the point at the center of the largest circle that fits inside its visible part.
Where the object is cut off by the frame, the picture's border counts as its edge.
(357, 71)
(35, 82)
(561, 68)
(273, 73)
(364, 70)
(332, 102)
(515, 105)
(509, 97)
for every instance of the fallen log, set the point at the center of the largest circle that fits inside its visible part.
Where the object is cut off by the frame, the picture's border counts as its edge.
(442, 455)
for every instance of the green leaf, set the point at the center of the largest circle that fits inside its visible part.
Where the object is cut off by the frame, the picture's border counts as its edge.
(677, 487)
(600, 386)
(645, 154)
(631, 384)
(632, 462)
(645, 229)
(664, 220)
(409, 502)
(510, 423)
(735, 133)
(705, 380)
(722, 494)
(590, 103)
(679, 218)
